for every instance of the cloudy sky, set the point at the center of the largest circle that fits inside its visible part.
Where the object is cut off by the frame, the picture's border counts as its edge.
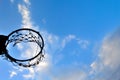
(82, 38)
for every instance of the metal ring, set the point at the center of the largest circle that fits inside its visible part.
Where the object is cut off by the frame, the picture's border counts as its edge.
(12, 59)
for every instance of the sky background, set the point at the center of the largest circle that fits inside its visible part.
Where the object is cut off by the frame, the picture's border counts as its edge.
(82, 38)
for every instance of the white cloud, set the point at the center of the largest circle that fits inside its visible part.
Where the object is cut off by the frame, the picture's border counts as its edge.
(67, 39)
(42, 67)
(53, 43)
(19, 46)
(108, 65)
(102, 69)
(83, 43)
(25, 13)
(27, 23)
(110, 51)
(27, 2)
(30, 75)
(72, 74)
(12, 74)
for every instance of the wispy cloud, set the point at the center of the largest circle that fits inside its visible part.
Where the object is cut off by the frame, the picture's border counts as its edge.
(105, 67)
(30, 75)
(25, 13)
(27, 23)
(83, 43)
(67, 39)
(40, 68)
(12, 74)
(53, 43)
(27, 2)
(70, 75)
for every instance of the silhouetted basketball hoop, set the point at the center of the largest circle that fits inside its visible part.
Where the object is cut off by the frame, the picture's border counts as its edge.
(27, 44)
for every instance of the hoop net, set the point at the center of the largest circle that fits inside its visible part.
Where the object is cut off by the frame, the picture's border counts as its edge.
(25, 47)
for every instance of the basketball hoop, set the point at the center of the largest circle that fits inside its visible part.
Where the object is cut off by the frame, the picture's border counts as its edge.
(27, 36)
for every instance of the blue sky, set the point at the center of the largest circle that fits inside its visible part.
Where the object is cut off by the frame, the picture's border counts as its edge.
(81, 38)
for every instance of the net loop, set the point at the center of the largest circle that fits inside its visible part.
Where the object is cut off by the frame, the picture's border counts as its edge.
(25, 35)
